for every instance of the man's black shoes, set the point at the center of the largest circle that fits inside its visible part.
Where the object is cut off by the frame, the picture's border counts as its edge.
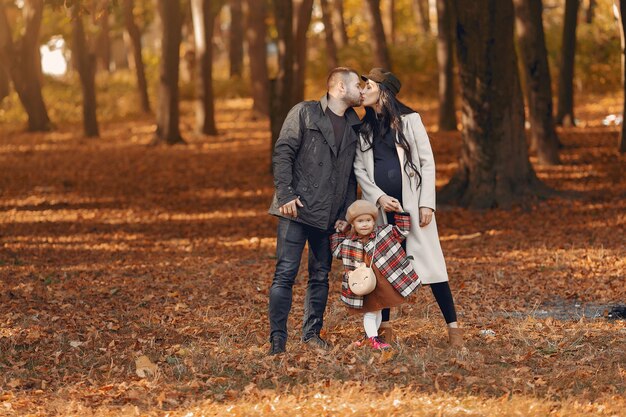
(278, 345)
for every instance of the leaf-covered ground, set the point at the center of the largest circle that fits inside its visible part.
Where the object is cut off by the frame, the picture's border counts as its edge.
(134, 281)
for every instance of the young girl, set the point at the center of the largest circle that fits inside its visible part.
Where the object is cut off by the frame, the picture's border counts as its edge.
(395, 277)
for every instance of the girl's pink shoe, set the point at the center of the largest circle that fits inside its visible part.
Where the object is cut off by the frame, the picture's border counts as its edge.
(377, 343)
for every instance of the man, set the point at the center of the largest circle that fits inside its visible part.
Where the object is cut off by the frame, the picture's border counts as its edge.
(314, 185)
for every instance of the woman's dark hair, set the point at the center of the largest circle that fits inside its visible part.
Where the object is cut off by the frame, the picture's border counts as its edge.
(374, 125)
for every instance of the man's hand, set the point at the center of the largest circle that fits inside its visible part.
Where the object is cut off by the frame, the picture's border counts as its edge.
(389, 203)
(426, 216)
(342, 226)
(291, 208)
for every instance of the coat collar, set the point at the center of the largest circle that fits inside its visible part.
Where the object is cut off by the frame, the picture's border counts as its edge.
(324, 125)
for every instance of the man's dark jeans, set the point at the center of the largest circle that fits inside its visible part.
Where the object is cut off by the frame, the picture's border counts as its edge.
(291, 238)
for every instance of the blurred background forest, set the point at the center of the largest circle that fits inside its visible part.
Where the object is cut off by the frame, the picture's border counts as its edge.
(410, 28)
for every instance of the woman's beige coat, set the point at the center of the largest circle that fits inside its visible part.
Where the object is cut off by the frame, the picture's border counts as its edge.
(422, 243)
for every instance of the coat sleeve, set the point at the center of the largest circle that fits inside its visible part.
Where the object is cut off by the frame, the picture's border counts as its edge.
(285, 153)
(335, 244)
(365, 179)
(426, 161)
(403, 226)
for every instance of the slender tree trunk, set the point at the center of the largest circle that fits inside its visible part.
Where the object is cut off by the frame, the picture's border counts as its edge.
(331, 48)
(281, 97)
(236, 38)
(565, 108)
(85, 64)
(381, 52)
(390, 20)
(591, 8)
(494, 169)
(303, 22)
(256, 32)
(340, 31)
(203, 20)
(534, 57)
(104, 41)
(168, 129)
(445, 60)
(420, 8)
(136, 58)
(22, 64)
(5, 85)
(622, 25)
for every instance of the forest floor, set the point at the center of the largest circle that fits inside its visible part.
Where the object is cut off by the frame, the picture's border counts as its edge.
(134, 281)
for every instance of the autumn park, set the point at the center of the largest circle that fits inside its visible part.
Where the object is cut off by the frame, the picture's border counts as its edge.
(144, 143)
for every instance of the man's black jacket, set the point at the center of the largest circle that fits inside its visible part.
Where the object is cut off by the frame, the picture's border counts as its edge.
(307, 164)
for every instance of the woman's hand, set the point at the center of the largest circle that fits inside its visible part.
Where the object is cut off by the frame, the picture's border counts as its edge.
(389, 203)
(426, 216)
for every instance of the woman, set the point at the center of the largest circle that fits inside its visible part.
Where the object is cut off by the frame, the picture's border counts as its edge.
(395, 168)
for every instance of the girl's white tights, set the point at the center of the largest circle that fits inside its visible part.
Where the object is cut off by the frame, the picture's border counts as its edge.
(371, 322)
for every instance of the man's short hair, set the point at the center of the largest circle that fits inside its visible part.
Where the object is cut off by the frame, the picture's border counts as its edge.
(338, 74)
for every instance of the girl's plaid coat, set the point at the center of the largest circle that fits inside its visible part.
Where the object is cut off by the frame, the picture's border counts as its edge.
(390, 258)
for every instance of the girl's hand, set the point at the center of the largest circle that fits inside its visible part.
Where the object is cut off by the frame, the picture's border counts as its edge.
(426, 216)
(389, 203)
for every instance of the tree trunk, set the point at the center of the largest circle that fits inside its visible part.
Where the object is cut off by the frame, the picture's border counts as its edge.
(340, 31)
(445, 60)
(22, 64)
(281, 97)
(104, 41)
(565, 109)
(622, 26)
(5, 86)
(420, 8)
(256, 32)
(302, 27)
(85, 65)
(203, 12)
(236, 38)
(331, 48)
(168, 129)
(590, 11)
(534, 57)
(380, 43)
(390, 20)
(494, 169)
(136, 58)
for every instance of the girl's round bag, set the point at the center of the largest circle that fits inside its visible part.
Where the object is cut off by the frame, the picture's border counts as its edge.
(362, 280)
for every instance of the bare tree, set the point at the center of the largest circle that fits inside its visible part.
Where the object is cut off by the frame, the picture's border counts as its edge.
(534, 59)
(381, 52)
(591, 7)
(86, 65)
(445, 60)
(565, 107)
(203, 13)
(168, 114)
(494, 169)
(621, 4)
(236, 38)
(22, 62)
(281, 96)
(103, 41)
(420, 8)
(303, 21)
(5, 83)
(329, 35)
(341, 34)
(256, 32)
(136, 58)
(389, 20)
